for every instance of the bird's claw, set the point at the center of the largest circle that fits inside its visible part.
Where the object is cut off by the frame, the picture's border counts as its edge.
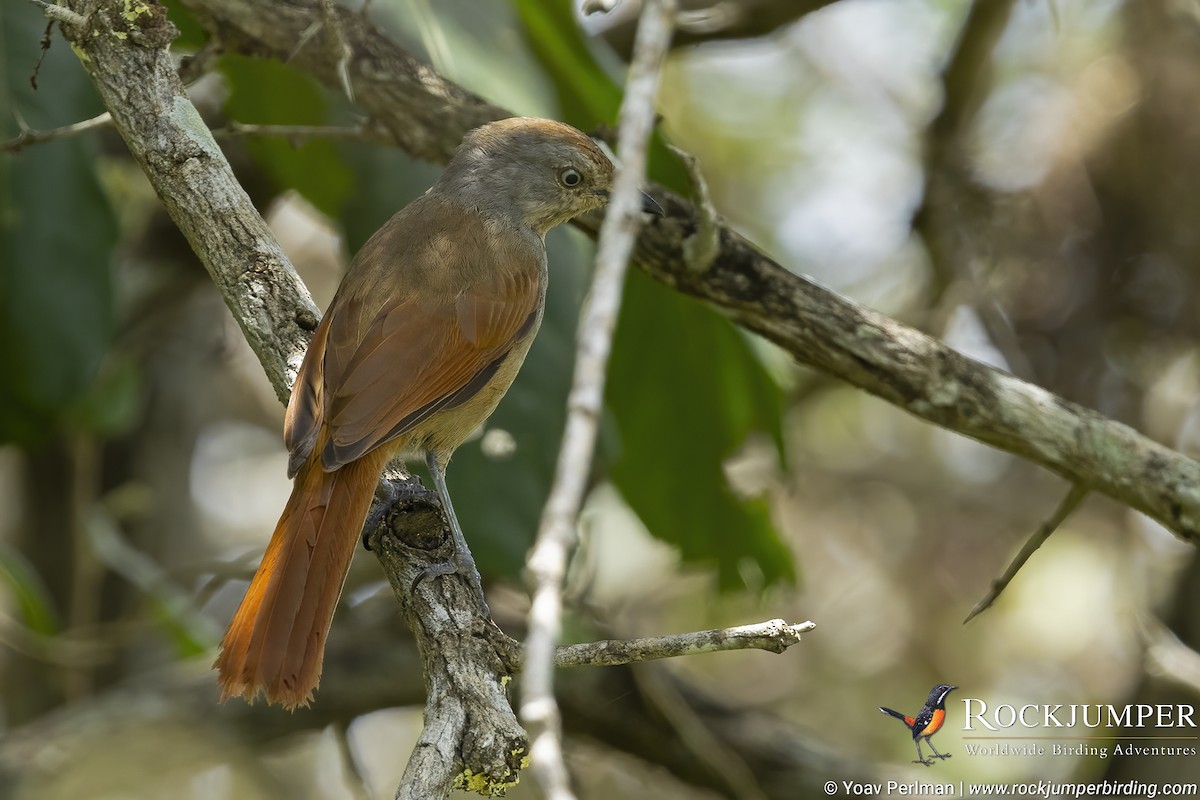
(386, 496)
(434, 571)
(454, 565)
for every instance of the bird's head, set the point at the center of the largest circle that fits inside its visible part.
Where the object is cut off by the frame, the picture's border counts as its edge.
(938, 694)
(535, 172)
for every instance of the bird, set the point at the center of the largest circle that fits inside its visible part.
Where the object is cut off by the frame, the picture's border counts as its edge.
(425, 334)
(927, 722)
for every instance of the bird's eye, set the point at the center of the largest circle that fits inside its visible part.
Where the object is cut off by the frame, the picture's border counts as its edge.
(570, 177)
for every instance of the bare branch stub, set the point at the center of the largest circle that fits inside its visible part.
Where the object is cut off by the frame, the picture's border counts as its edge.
(28, 136)
(775, 636)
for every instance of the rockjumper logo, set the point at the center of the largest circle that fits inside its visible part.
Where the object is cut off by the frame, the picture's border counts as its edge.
(927, 722)
(1093, 715)
(1172, 723)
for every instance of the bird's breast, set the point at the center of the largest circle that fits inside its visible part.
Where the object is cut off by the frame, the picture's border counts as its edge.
(455, 423)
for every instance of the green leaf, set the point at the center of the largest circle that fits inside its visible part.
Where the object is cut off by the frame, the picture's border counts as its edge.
(685, 390)
(264, 92)
(57, 233)
(588, 97)
(188, 637)
(20, 578)
(191, 34)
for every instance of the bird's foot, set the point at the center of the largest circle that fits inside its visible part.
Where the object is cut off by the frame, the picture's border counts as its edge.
(926, 761)
(434, 571)
(941, 755)
(455, 565)
(386, 494)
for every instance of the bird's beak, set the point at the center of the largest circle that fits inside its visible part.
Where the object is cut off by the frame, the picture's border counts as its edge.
(651, 206)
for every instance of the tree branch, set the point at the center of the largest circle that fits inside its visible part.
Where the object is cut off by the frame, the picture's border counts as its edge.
(557, 532)
(706, 20)
(1039, 537)
(471, 739)
(774, 635)
(29, 136)
(427, 115)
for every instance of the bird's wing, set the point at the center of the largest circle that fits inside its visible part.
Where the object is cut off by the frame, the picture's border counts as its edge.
(934, 723)
(924, 717)
(301, 423)
(416, 356)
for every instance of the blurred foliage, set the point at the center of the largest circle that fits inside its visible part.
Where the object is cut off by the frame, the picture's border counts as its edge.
(262, 91)
(191, 35)
(57, 234)
(35, 608)
(685, 393)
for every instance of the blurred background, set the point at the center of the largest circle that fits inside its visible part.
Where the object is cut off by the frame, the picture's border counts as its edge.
(1013, 176)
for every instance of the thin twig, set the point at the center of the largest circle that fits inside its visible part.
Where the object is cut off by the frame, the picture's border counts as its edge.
(196, 65)
(775, 635)
(329, 15)
(1069, 504)
(28, 136)
(702, 247)
(328, 18)
(230, 130)
(557, 532)
(107, 545)
(433, 37)
(61, 14)
(234, 128)
(46, 42)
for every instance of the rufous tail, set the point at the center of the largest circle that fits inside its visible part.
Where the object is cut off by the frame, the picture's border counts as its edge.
(276, 641)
